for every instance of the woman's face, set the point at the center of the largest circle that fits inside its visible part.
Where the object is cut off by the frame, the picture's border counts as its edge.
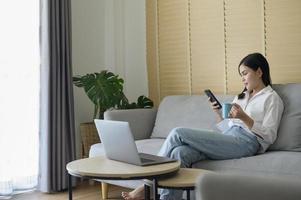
(250, 78)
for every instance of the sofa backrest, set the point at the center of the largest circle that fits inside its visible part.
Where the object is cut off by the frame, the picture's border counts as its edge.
(289, 132)
(195, 112)
(185, 111)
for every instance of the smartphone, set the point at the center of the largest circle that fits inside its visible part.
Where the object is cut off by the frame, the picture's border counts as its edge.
(213, 98)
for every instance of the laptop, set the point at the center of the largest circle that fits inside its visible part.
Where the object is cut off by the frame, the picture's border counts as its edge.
(119, 144)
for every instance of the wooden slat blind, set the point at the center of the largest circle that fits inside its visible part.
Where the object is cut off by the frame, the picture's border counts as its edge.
(152, 51)
(244, 34)
(173, 49)
(283, 40)
(207, 46)
(198, 44)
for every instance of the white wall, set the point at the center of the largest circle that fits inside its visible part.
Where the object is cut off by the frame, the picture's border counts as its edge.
(108, 34)
(125, 44)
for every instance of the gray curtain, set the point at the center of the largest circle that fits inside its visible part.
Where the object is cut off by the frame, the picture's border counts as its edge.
(57, 134)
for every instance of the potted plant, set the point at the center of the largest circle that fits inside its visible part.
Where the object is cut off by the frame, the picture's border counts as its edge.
(105, 90)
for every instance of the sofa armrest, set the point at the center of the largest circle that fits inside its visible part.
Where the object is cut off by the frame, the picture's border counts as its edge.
(237, 187)
(141, 120)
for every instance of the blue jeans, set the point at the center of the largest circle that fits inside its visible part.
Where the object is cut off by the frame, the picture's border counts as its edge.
(192, 145)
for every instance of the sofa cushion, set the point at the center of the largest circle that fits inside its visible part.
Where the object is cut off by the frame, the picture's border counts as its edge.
(273, 163)
(185, 111)
(289, 132)
(141, 120)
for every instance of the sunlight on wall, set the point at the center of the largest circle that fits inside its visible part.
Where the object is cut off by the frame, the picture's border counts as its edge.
(19, 94)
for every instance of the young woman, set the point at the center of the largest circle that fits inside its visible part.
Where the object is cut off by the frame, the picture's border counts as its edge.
(254, 119)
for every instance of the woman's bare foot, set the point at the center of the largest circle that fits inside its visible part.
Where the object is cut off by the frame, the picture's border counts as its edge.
(136, 194)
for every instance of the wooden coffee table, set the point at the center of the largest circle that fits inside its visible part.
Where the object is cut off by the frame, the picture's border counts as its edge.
(184, 179)
(103, 168)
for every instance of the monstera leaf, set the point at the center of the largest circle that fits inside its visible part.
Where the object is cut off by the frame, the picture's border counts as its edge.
(104, 89)
(142, 102)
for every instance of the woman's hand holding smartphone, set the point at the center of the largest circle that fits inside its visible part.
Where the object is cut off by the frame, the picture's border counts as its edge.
(215, 104)
(213, 99)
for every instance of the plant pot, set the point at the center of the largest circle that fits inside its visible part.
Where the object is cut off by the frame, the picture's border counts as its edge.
(89, 137)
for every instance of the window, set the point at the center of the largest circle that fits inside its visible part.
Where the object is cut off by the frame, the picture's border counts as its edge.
(19, 95)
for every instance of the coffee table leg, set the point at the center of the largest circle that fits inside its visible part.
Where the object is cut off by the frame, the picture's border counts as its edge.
(70, 186)
(146, 192)
(155, 189)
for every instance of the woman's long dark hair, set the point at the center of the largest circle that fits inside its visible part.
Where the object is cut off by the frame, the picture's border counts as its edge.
(255, 61)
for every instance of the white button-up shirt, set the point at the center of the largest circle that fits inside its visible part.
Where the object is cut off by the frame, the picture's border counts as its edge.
(265, 108)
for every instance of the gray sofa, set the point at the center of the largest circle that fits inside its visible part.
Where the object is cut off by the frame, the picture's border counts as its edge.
(150, 128)
(215, 186)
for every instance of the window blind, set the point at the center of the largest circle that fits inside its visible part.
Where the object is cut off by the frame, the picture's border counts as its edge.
(244, 30)
(198, 44)
(207, 46)
(152, 51)
(173, 48)
(283, 40)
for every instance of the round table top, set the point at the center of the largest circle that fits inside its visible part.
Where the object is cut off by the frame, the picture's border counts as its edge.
(101, 167)
(185, 177)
